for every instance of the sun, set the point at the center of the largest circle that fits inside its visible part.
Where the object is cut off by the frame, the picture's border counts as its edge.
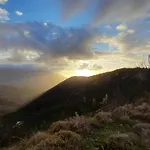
(84, 72)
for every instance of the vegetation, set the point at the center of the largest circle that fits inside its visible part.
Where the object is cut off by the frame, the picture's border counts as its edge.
(104, 112)
(124, 128)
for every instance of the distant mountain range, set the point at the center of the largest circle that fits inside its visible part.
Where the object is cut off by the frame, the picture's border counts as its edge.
(19, 86)
(81, 95)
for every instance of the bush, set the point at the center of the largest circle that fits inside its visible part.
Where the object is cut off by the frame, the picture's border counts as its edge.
(140, 112)
(140, 127)
(31, 142)
(60, 125)
(103, 117)
(60, 141)
(122, 111)
(143, 131)
(124, 141)
(36, 138)
(77, 124)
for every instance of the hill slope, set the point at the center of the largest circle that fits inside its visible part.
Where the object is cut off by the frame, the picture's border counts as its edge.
(124, 128)
(82, 95)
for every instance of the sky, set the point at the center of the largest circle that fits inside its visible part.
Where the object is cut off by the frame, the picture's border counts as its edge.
(74, 37)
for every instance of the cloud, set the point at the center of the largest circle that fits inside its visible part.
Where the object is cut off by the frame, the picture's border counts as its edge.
(84, 66)
(3, 14)
(90, 66)
(109, 10)
(35, 41)
(68, 49)
(3, 1)
(96, 67)
(131, 31)
(129, 41)
(122, 27)
(19, 13)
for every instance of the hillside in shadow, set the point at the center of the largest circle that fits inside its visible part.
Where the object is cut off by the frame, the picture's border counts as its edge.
(82, 95)
(124, 128)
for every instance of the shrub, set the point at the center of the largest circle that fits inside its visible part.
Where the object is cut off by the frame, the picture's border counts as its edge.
(77, 124)
(144, 107)
(59, 141)
(123, 141)
(60, 125)
(140, 112)
(31, 142)
(122, 111)
(103, 117)
(141, 127)
(143, 130)
(69, 137)
(36, 138)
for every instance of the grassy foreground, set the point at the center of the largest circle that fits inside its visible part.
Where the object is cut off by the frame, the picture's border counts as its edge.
(124, 128)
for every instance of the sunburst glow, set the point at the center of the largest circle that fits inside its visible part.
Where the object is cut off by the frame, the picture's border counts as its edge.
(84, 72)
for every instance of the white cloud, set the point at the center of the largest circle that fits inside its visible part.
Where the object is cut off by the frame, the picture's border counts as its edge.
(19, 13)
(3, 14)
(131, 31)
(3, 1)
(108, 27)
(122, 27)
(128, 42)
(45, 23)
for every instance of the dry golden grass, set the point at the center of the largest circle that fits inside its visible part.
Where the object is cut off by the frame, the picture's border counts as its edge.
(139, 112)
(62, 140)
(68, 134)
(78, 124)
(104, 117)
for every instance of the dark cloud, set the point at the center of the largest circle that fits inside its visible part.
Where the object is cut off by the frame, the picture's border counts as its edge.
(46, 41)
(109, 10)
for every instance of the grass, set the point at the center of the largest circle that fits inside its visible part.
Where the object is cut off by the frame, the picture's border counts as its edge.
(125, 128)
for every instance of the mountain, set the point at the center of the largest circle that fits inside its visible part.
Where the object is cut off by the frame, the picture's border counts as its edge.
(20, 86)
(8, 98)
(80, 95)
(37, 84)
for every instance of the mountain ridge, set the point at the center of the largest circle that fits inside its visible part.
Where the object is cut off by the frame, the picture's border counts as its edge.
(81, 95)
